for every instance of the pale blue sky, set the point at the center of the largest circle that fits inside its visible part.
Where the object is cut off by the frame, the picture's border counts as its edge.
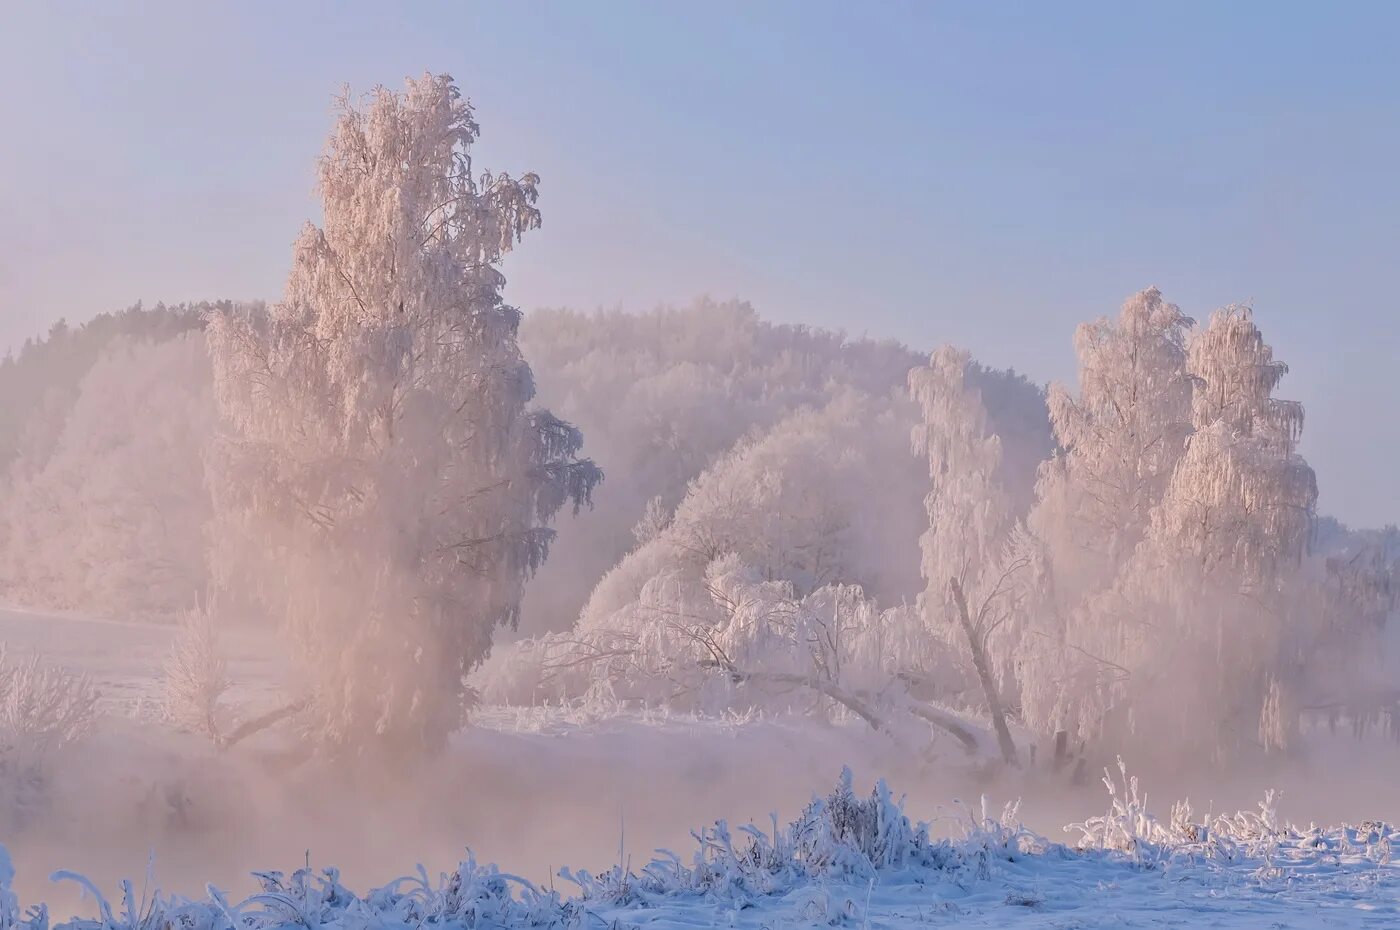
(985, 174)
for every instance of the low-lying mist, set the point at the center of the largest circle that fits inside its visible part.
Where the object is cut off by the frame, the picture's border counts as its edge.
(573, 794)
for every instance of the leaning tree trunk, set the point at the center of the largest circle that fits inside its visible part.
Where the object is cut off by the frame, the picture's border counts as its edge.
(984, 673)
(857, 704)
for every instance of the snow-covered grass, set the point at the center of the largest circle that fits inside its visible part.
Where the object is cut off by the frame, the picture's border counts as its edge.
(853, 860)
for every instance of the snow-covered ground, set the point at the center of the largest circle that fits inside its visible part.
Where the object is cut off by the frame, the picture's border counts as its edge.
(855, 860)
(125, 659)
(535, 788)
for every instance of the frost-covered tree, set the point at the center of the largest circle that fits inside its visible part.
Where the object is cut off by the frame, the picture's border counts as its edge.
(970, 576)
(827, 497)
(1241, 495)
(384, 484)
(1120, 438)
(1225, 546)
(655, 518)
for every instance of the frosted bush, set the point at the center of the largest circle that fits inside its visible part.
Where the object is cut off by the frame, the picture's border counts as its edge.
(731, 641)
(42, 709)
(842, 838)
(1129, 827)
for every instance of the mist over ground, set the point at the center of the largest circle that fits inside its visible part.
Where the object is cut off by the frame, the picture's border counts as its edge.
(532, 788)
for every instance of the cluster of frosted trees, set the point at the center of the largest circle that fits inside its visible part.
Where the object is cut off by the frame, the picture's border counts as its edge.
(102, 496)
(1155, 587)
(1172, 535)
(663, 396)
(107, 513)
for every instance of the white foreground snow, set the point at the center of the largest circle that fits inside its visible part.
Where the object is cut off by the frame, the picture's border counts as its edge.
(855, 861)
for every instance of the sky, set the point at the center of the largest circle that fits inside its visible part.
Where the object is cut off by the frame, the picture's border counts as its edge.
(983, 174)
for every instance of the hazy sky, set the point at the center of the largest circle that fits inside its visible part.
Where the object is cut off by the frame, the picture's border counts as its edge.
(985, 174)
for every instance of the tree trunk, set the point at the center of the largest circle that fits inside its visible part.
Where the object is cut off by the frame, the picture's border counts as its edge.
(257, 724)
(939, 718)
(984, 673)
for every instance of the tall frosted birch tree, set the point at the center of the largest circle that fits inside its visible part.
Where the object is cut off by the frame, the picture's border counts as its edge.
(383, 487)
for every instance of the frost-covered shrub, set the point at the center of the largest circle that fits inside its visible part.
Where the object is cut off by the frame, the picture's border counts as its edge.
(42, 709)
(472, 897)
(841, 838)
(1130, 827)
(733, 642)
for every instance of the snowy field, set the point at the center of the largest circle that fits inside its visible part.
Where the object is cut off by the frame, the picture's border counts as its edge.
(638, 781)
(125, 660)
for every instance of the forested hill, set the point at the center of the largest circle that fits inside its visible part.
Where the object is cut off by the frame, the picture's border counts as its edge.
(44, 375)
